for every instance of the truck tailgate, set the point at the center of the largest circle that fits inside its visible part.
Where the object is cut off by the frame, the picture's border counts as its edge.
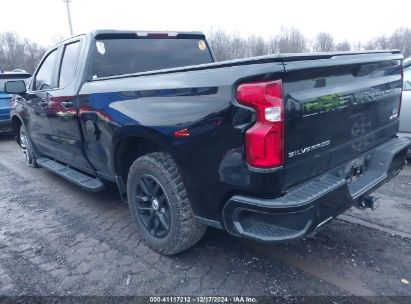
(337, 109)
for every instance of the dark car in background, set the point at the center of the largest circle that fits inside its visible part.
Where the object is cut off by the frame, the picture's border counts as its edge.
(5, 99)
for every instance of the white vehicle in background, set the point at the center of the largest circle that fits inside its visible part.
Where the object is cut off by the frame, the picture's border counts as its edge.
(405, 114)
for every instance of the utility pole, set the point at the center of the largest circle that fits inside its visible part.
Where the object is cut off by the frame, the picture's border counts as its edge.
(69, 15)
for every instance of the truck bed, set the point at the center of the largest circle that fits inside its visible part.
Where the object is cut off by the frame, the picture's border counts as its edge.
(283, 57)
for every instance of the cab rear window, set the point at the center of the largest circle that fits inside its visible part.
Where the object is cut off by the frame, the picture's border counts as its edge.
(126, 56)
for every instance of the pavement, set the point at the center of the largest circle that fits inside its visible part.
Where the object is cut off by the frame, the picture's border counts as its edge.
(58, 240)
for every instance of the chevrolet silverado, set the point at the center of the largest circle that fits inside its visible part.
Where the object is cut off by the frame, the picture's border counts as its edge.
(270, 148)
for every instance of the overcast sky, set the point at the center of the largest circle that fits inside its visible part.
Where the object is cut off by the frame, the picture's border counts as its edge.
(359, 20)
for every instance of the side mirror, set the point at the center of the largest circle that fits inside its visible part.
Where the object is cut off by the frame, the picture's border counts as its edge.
(15, 87)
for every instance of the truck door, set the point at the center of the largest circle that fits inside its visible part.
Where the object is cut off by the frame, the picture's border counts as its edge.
(65, 125)
(38, 98)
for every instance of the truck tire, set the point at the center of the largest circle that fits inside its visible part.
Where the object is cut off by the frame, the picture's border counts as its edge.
(160, 206)
(27, 148)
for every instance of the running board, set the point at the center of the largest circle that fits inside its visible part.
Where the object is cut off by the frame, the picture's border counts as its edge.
(76, 177)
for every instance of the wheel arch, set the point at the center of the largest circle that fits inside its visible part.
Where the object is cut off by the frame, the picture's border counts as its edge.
(129, 147)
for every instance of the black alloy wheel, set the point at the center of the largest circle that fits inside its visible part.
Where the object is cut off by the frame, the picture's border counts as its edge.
(153, 206)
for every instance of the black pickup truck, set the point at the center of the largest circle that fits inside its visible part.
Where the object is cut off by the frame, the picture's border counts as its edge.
(270, 148)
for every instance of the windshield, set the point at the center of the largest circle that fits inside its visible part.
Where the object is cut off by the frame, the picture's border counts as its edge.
(127, 56)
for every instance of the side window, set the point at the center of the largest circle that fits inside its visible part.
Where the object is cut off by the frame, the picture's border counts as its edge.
(69, 63)
(407, 79)
(44, 76)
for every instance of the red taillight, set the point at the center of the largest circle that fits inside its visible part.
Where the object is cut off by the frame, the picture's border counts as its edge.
(264, 141)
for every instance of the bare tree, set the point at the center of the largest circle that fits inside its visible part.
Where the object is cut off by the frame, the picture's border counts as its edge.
(401, 39)
(3, 53)
(220, 43)
(358, 46)
(379, 43)
(238, 47)
(343, 46)
(272, 45)
(227, 46)
(256, 46)
(290, 40)
(382, 43)
(34, 53)
(324, 42)
(231, 46)
(16, 52)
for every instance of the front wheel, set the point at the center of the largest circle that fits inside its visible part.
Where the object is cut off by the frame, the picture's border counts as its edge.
(159, 204)
(26, 148)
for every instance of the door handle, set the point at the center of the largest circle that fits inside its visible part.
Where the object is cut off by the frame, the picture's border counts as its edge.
(67, 104)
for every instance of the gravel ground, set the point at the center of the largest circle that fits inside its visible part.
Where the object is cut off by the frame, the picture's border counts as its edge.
(56, 239)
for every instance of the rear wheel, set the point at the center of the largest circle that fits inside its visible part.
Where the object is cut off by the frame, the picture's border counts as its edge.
(26, 148)
(159, 204)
